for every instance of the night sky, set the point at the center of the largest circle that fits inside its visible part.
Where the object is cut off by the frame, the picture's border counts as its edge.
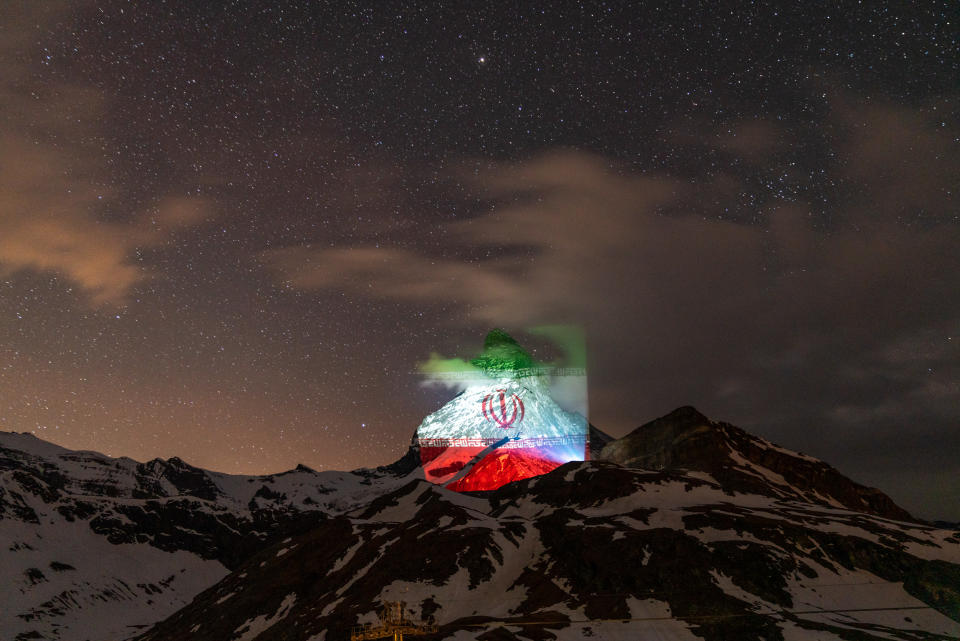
(230, 232)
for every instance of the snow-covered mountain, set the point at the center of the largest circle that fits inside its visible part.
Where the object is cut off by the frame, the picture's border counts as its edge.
(684, 529)
(685, 439)
(96, 548)
(783, 547)
(503, 426)
(596, 550)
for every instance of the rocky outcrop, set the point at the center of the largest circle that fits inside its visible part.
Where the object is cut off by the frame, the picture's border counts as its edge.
(685, 439)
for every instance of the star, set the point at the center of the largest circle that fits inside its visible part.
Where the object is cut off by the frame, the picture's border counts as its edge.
(256, 234)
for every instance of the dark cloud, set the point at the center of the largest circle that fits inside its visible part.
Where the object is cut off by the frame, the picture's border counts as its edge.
(902, 160)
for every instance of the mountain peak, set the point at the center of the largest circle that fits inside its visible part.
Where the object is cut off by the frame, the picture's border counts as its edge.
(685, 439)
(686, 415)
(504, 426)
(502, 353)
(656, 444)
(497, 336)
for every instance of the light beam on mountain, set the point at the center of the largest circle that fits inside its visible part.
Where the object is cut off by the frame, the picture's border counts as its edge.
(504, 425)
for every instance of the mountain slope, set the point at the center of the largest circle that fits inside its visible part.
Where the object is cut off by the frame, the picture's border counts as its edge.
(691, 529)
(594, 549)
(94, 547)
(688, 440)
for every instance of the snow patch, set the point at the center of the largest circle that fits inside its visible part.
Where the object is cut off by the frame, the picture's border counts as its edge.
(111, 589)
(251, 628)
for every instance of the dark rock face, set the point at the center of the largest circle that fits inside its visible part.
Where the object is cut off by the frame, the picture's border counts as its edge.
(13, 506)
(189, 525)
(598, 439)
(185, 479)
(406, 464)
(688, 440)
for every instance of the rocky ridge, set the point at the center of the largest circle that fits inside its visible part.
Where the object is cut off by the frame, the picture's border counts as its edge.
(593, 549)
(96, 547)
(685, 439)
(686, 528)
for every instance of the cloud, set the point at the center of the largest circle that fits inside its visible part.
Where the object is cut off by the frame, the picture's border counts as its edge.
(56, 189)
(515, 287)
(751, 140)
(751, 320)
(49, 223)
(903, 159)
(587, 239)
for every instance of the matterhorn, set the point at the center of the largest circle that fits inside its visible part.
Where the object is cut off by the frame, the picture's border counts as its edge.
(503, 427)
(685, 529)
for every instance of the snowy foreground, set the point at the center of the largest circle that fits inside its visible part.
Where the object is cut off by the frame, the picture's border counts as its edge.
(734, 539)
(655, 555)
(100, 548)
